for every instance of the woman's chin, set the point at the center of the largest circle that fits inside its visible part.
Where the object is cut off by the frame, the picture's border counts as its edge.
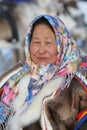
(44, 64)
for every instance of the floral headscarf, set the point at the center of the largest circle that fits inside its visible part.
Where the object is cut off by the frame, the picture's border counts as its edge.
(67, 62)
(68, 56)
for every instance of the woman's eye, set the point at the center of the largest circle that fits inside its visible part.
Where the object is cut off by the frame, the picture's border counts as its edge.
(48, 43)
(35, 42)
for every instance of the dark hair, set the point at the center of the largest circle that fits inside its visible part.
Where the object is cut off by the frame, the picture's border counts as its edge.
(41, 20)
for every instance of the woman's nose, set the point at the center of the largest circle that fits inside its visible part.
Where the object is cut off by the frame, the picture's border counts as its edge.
(42, 48)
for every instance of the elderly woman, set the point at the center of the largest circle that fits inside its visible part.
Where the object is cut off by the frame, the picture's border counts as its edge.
(52, 59)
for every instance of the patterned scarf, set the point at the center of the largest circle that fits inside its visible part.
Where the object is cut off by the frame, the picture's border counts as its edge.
(68, 56)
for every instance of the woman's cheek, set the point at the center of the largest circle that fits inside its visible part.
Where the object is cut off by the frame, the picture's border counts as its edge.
(33, 49)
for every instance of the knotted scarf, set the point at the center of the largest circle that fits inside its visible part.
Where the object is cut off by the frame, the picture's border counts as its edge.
(68, 56)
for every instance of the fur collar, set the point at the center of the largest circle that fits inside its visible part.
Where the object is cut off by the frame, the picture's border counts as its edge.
(33, 113)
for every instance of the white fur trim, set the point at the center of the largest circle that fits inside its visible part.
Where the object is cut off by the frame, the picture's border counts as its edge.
(44, 120)
(34, 111)
(22, 87)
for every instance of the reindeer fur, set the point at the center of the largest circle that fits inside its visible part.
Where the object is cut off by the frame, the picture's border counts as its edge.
(61, 110)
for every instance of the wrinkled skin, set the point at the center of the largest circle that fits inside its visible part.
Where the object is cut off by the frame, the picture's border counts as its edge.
(61, 111)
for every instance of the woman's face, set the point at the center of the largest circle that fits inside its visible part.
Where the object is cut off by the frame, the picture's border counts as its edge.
(43, 48)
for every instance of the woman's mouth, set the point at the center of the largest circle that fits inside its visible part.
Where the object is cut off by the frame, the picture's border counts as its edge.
(43, 59)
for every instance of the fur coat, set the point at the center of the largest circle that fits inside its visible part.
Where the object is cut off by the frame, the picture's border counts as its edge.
(33, 111)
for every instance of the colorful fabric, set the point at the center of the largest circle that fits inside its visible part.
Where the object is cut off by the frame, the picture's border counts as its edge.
(5, 113)
(80, 78)
(68, 54)
(82, 117)
(68, 60)
(10, 90)
(83, 64)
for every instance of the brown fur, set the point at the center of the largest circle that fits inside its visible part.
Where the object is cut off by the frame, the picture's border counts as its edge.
(61, 110)
(71, 101)
(34, 126)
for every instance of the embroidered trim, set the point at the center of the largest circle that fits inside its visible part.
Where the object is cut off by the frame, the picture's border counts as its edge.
(82, 116)
(5, 113)
(82, 80)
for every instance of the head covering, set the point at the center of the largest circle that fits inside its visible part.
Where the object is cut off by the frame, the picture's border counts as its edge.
(67, 62)
(68, 56)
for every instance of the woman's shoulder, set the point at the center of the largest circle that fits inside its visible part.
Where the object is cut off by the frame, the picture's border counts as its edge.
(14, 72)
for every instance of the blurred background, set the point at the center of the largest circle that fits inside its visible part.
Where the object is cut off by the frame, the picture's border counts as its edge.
(15, 16)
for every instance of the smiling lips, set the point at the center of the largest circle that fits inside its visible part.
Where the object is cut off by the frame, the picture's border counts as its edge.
(42, 58)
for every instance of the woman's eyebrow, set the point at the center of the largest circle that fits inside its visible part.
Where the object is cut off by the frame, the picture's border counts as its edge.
(35, 38)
